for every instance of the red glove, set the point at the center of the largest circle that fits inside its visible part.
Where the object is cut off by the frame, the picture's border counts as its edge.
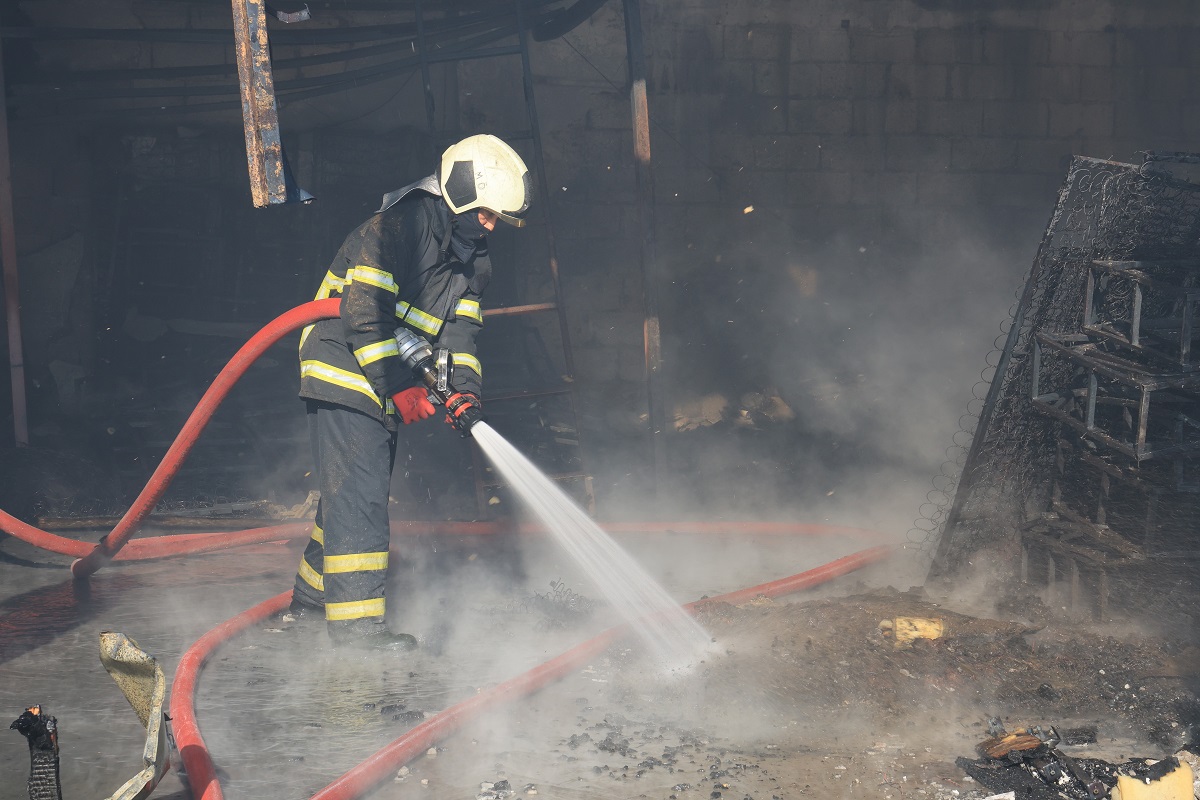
(413, 404)
(457, 405)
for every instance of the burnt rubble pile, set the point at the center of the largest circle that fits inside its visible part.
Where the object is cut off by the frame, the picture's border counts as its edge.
(1030, 763)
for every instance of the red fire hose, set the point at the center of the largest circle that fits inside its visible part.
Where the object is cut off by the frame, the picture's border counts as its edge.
(383, 764)
(259, 343)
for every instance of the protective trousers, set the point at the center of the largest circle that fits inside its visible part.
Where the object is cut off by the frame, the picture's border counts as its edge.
(344, 566)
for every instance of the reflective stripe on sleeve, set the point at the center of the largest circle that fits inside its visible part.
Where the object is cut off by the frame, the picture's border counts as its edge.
(418, 318)
(356, 562)
(469, 361)
(470, 309)
(318, 535)
(374, 352)
(355, 610)
(330, 284)
(311, 576)
(338, 377)
(374, 277)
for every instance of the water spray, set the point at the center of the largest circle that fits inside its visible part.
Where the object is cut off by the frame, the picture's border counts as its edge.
(433, 371)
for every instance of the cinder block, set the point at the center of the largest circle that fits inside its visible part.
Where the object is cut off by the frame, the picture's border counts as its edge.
(1085, 48)
(1149, 47)
(757, 42)
(1149, 119)
(820, 188)
(918, 153)
(1016, 46)
(1022, 189)
(886, 188)
(901, 116)
(955, 46)
(696, 62)
(1189, 112)
(983, 81)
(1079, 119)
(897, 45)
(771, 78)
(1189, 46)
(736, 77)
(869, 117)
(689, 186)
(1167, 83)
(950, 117)
(804, 79)
(761, 188)
(852, 80)
(820, 44)
(1096, 84)
(787, 151)
(1057, 84)
(917, 81)
(607, 111)
(1014, 118)
(950, 188)
(852, 153)
(1047, 156)
(820, 116)
(983, 154)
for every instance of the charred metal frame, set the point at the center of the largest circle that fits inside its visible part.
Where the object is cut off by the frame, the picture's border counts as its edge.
(1166, 339)
(1098, 364)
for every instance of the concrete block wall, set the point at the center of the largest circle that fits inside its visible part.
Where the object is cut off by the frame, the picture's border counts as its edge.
(844, 123)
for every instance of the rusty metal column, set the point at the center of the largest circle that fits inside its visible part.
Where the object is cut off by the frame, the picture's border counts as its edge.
(651, 332)
(12, 295)
(264, 151)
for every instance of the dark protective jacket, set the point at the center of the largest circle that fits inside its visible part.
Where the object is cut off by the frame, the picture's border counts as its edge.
(395, 269)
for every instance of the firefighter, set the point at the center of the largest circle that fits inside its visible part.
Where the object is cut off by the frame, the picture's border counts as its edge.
(420, 262)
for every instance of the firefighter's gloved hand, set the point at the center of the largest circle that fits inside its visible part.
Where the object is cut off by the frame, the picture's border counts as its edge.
(413, 404)
(460, 404)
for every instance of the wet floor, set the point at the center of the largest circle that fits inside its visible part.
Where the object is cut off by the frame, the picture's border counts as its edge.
(284, 714)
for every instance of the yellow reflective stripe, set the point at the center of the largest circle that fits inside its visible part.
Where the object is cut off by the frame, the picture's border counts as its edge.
(469, 361)
(375, 277)
(388, 406)
(307, 330)
(311, 576)
(469, 308)
(338, 377)
(418, 318)
(373, 352)
(356, 562)
(355, 610)
(318, 535)
(332, 283)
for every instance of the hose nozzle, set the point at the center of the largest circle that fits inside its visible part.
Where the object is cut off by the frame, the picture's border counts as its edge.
(417, 354)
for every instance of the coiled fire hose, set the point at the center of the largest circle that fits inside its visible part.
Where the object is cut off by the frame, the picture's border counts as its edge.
(380, 766)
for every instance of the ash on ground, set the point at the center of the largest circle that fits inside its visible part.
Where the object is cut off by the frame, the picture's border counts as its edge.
(815, 699)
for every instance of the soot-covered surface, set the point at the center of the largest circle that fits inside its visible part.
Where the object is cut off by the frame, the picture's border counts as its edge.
(798, 698)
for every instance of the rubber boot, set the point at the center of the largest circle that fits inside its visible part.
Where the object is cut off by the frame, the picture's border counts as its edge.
(366, 635)
(299, 611)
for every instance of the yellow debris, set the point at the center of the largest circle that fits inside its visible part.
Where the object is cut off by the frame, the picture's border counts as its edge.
(1175, 785)
(904, 630)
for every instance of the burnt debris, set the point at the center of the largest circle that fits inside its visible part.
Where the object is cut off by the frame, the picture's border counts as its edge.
(41, 731)
(1028, 761)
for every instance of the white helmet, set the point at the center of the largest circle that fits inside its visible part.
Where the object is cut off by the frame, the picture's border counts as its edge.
(483, 172)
